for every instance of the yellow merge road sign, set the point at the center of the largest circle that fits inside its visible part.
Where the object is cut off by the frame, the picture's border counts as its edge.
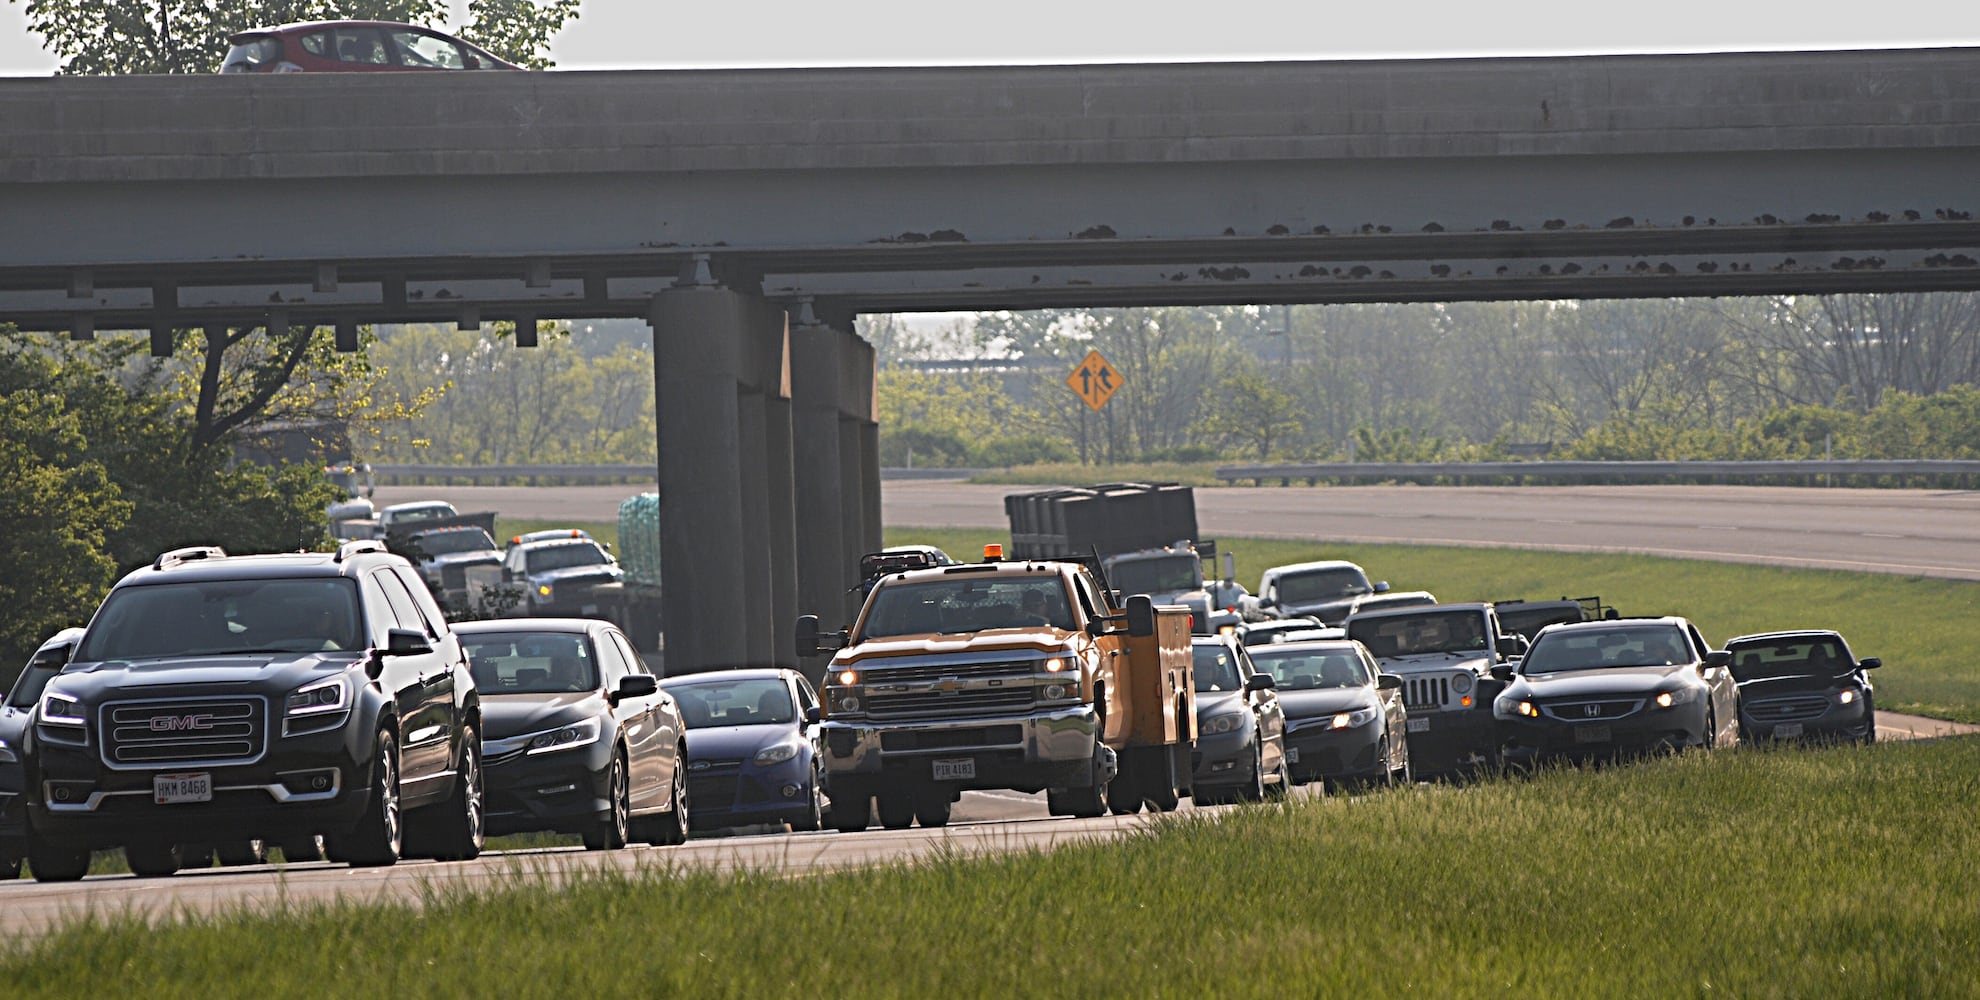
(1095, 381)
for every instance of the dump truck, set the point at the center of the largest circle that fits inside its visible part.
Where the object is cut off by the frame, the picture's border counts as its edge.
(1019, 675)
(1144, 535)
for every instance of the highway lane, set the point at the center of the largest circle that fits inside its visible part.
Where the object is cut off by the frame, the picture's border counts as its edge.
(1911, 532)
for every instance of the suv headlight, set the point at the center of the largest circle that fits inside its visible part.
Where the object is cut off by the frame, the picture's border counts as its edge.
(563, 738)
(1462, 683)
(1225, 723)
(775, 754)
(60, 710)
(1681, 696)
(315, 699)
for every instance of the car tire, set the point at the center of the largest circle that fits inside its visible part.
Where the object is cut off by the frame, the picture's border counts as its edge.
(462, 819)
(673, 824)
(813, 817)
(52, 862)
(195, 857)
(1254, 790)
(300, 849)
(378, 837)
(152, 858)
(931, 808)
(612, 832)
(896, 810)
(1869, 720)
(851, 813)
(10, 867)
(1124, 792)
(236, 853)
(1408, 772)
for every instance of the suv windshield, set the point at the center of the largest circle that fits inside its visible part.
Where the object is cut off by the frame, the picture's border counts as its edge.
(1322, 585)
(440, 543)
(1216, 668)
(1429, 632)
(1159, 575)
(967, 605)
(564, 557)
(1599, 649)
(756, 702)
(1296, 669)
(218, 617)
(1806, 656)
(531, 662)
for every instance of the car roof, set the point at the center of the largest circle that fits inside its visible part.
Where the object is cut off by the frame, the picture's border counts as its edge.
(996, 570)
(276, 566)
(1418, 610)
(731, 674)
(497, 626)
(1610, 623)
(1298, 645)
(551, 543)
(1315, 565)
(1800, 633)
(421, 505)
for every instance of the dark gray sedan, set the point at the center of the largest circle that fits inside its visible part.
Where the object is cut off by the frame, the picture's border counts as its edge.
(1345, 720)
(1240, 728)
(1803, 686)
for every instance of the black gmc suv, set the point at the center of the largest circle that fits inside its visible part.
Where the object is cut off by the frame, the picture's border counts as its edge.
(218, 698)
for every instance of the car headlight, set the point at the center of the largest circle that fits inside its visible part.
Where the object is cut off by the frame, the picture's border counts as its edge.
(543, 590)
(1351, 720)
(315, 699)
(1672, 699)
(60, 709)
(1509, 707)
(564, 738)
(1462, 683)
(1226, 723)
(775, 755)
(1847, 696)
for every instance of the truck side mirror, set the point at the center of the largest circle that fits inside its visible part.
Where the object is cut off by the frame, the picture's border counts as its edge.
(1096, 627)
(1512, 645)
(807, 636)
(1230, 565)
(1268, 602)
(1140, 616)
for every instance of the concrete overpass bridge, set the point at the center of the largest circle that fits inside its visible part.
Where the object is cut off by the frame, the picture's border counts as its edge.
(749, 215)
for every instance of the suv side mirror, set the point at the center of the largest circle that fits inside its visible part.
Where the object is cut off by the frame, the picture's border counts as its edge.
(1382, 587)
(407, 642)
(635, 686)
(1260, 682)
(1870, 662)
(1388, 682)
(1512, 645)
(55, 656)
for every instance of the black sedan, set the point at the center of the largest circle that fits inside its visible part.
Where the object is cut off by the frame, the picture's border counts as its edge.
(577, 736)
(1606, 689)
(754, 756)
(1803, 686)
(1345, 721)
(1240, 728)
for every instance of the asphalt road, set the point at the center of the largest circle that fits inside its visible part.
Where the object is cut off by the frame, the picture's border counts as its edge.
(1912, 532)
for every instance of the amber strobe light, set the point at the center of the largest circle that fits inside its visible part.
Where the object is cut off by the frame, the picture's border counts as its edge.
(993, 552)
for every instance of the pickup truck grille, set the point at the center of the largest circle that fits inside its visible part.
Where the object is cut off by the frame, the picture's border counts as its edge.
(184, 732)
(950, 689)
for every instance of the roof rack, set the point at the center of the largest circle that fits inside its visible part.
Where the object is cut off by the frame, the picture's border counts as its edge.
(192, 553)
(359, 546)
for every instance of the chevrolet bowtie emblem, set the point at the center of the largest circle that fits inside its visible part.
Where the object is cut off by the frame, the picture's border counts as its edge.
(948, 685)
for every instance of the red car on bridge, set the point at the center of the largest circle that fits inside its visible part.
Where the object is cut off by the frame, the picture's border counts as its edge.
(353, 47)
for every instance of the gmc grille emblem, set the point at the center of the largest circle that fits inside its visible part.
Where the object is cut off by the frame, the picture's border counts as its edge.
(180, 723)
(1591, 710)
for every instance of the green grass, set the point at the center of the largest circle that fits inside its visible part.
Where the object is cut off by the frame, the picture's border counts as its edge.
(1925, 630)
(1847, 872)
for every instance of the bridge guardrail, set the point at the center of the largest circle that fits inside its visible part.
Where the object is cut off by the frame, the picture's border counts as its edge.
(1822, 470)
(393, 473)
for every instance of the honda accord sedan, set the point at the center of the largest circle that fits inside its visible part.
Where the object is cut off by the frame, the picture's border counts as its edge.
(1607, 689)
(753, 757)
(1803, 686)
(1345, 720)
(577, 735)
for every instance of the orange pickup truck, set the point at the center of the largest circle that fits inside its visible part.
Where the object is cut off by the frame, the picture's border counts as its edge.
(1003, 675)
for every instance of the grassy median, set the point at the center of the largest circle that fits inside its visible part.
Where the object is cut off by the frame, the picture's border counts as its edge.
(1846, 872)
(1926, 630)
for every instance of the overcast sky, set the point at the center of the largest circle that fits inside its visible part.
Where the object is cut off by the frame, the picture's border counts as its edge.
(650, 34)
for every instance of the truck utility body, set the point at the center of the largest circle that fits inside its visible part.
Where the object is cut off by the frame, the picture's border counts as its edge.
(1143, 534)
(1013, 675)
(1444, 654)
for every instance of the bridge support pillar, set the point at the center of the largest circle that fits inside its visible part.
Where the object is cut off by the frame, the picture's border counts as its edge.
(832, 421)
(729, 587)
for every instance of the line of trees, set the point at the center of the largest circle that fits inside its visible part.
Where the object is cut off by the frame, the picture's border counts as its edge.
(1676, 378)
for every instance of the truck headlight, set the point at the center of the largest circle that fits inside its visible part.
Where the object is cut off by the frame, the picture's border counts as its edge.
(845, 701)
(315, 699)
(1225, 723)
(543, 590)
(774, 755)
(1681, 696)
(61, 710)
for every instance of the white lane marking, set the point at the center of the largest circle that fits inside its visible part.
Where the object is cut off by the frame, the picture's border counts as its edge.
(1718, 527)
(1880, 534)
